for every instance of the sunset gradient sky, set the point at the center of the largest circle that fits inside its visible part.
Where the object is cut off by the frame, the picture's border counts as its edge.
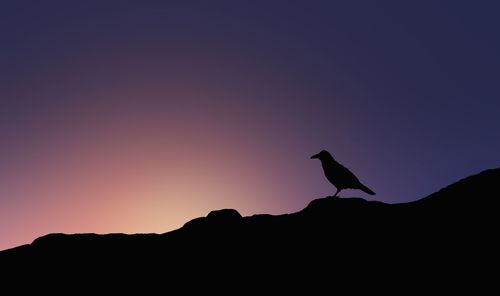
(137, 116)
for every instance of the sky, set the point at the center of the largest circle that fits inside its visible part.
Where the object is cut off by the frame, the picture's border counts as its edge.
(137, 116)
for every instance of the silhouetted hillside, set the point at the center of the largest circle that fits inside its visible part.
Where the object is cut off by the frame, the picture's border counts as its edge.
(339, 234)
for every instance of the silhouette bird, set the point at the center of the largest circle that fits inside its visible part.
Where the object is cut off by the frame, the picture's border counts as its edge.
(339, 175)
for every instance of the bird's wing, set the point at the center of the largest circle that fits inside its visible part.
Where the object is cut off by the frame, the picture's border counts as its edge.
(349, 175)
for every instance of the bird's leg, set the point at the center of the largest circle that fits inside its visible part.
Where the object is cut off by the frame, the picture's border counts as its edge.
(338, 190)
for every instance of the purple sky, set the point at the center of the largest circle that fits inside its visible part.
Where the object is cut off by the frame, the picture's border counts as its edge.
(136, 116)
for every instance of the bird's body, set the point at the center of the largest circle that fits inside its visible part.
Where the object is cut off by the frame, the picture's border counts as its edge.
(338, 175)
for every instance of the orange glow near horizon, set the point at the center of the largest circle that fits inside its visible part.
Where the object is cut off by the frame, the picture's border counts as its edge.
(121, 167)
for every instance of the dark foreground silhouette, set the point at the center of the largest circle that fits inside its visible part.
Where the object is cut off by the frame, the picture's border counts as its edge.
(451, 232)
(340, 176)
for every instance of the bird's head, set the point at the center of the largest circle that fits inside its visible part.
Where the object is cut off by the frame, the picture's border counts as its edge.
(322, 155)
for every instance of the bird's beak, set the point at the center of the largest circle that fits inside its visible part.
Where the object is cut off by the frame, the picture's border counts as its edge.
(314, 156)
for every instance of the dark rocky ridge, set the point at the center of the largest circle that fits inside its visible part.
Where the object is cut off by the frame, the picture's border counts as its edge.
(456, 225)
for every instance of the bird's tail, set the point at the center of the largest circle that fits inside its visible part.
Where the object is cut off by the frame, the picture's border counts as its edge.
(366, 189)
